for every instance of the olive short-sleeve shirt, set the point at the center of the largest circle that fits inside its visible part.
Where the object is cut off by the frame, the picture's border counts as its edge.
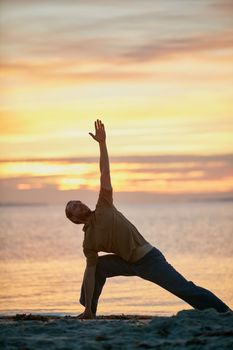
(108, 230)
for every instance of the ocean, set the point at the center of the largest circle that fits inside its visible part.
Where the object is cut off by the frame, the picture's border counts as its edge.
(42, 263)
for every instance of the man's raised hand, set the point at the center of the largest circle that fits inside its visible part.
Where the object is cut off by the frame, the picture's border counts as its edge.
(100, 135)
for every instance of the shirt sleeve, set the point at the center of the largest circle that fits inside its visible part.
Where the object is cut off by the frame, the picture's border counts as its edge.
(91, 256)
(105, 197)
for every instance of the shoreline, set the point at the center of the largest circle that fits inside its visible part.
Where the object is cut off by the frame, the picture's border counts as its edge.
(192, 329)
(46, 318)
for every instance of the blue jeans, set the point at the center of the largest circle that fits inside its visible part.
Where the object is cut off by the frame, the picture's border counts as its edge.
(155, 268)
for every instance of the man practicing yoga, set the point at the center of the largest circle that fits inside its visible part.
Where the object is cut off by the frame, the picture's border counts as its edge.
(107, 230)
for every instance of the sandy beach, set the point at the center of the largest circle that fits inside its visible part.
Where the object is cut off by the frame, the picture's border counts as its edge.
(188, 329)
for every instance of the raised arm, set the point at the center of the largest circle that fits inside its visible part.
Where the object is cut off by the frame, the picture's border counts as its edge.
(100, 136)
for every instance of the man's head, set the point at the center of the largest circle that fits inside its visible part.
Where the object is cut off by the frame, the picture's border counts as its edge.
(77, 212)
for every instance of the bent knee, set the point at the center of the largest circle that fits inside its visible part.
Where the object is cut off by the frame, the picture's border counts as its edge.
(103, 262)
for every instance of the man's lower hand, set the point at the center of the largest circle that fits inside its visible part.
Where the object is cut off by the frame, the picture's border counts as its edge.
(87, 314)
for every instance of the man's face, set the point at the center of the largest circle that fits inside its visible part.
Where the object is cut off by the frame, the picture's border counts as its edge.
(78, 211)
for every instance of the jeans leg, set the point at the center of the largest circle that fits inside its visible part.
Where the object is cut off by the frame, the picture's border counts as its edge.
(156, 269)
(109, 265)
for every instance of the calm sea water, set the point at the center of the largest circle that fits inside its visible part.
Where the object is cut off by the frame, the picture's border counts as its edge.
(42, 264)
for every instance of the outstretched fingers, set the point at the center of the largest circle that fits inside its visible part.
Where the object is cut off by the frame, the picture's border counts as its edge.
(100, 124)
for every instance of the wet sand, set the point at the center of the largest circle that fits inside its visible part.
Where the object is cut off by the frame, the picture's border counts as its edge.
(188, 329)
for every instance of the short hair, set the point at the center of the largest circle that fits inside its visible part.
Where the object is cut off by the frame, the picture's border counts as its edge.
(69, 214)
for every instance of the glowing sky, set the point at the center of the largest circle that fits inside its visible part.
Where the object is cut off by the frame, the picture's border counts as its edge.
(158, 73)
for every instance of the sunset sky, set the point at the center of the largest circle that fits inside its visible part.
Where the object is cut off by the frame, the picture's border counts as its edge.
(159, 74)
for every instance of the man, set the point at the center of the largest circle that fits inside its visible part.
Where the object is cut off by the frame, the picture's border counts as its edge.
(107, 230)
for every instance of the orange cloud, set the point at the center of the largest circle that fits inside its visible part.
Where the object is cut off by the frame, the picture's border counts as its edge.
(163, 174)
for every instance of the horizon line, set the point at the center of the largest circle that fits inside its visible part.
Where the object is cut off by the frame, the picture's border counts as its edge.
(129, 158)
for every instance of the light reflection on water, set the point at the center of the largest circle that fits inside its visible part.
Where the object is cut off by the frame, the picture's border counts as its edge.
(42, 264)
